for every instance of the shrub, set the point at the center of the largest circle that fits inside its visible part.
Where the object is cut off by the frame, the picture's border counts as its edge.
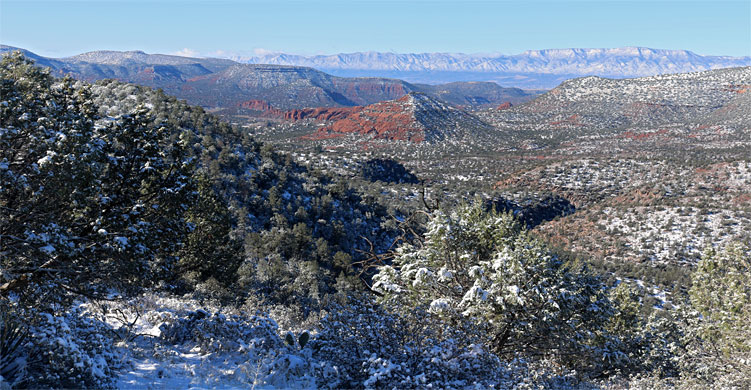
(12, 357)
(69, 351)
(363, 345)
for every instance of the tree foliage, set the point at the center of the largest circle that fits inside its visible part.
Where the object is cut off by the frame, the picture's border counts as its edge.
(86, 203)
(484, 267)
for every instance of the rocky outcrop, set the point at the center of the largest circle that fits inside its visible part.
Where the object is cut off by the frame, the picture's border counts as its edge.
(266, 109)
(390, 120)
(504, 106)
(363, 91)
(415, 117)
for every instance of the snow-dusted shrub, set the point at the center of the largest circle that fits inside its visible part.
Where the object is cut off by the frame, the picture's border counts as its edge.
(286, 368)
(484, 267)
(69, 351)
(650, 342)
(216, 332)
(80, 197)
(362, 345)
(268, 360)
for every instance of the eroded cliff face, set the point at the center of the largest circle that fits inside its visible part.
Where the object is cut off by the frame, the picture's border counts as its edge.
(392, 120)
(266, 110)
(367, 91)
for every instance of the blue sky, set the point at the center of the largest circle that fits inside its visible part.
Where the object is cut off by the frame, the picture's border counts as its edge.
(61, 28)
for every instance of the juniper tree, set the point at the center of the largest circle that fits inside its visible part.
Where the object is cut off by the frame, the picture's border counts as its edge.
(718, 331)
(484, 267)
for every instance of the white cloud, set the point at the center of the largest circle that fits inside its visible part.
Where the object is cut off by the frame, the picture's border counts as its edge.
(186, 52)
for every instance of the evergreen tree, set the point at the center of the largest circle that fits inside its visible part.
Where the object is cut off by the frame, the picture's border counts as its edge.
(210, 250)
(484, 267)
(718, 331)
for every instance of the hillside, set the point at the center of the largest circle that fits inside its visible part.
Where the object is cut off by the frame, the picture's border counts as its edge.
(660, 156)
(147, 243)
(688, 108)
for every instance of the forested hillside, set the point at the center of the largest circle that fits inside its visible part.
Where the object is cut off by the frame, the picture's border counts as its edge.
(145, 243)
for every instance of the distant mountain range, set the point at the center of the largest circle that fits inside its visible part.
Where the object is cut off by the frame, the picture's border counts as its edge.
(543, 69)
(223, 83)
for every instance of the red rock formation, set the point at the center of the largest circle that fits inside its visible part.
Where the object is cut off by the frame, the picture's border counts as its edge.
(266, 109)
(738, 88)
(415, 117)
(504, 106)
(146, 74)
(363, 91)
(319, 113)
(391, 120)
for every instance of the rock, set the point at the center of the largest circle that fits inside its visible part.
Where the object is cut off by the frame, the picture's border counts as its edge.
(415, 117)
(321, 113)
(266, 109)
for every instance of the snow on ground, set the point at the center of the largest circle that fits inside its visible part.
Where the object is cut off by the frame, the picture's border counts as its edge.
(170, 343)
(674, 233)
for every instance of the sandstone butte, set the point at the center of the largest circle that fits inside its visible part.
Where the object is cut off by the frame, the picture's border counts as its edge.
(393, 120)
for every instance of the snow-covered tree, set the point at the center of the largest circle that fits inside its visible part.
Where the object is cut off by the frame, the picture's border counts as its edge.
(484, 267)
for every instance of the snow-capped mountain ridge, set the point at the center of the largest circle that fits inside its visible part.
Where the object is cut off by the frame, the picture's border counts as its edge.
(615, 62)
(110, 57)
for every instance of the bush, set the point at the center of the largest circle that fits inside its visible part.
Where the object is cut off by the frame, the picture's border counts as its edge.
(362, 345)
(718, 330)
(69, 351)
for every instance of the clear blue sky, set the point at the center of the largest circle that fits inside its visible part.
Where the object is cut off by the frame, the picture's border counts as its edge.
(62, 28)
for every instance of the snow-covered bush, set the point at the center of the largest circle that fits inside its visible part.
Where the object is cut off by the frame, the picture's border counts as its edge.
(483, 267)
(216, 332)
(72, 350)
(268, 360)
(362, 345)
(86, 205)
(649, 341)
